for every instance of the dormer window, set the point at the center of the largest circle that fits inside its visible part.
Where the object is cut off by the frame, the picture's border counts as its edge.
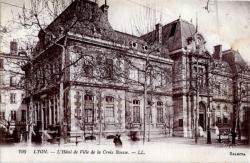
(158, 50)
(134, 45)
(145, 47)
(189, 40)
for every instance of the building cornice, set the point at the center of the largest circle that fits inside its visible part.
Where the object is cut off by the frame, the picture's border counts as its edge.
(116, 46)
(5, 55)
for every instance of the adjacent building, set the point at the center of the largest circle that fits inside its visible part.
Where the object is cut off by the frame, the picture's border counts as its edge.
(12, 92)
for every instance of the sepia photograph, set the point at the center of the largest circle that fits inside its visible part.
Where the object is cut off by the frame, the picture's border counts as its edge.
(85, 81)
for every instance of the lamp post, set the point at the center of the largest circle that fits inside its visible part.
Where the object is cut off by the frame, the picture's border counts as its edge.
(208, 108)
(208, 126)
(197, 101)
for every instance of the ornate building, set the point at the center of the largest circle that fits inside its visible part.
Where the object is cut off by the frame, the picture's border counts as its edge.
(91, 79)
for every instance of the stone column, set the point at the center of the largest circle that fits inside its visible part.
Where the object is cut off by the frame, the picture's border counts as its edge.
(185, 117)
(54, 110)
(49, 110)
(42, 114)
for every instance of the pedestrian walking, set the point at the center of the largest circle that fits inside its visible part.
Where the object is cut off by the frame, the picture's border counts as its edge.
(217, 132)
(117, 140)
(201, 132)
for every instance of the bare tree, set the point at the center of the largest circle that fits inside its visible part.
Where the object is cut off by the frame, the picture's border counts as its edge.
(35, 19)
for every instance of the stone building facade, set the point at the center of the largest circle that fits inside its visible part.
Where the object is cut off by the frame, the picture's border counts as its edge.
(103, 74)
(12, 108)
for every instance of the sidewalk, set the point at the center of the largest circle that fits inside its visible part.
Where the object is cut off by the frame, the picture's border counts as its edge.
(181, 141)
(202, 142)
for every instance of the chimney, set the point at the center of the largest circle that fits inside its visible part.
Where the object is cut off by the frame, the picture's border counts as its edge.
(217, 52)
(105, 7)
(158, 28)
(13, 47)
(97, 2)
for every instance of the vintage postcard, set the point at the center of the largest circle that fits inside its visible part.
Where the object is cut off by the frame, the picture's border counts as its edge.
(124, 81)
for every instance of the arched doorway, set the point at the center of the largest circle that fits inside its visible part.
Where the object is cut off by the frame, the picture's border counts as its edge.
(202, 115)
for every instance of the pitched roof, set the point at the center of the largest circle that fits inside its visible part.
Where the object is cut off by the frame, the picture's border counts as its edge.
(174, 34)
(234, 59)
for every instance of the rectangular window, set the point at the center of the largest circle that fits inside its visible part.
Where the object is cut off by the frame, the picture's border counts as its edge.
(88, 115)
(180, 122)
(88, 67)
(218, 120)
(12, 98)
(141, 76)
(1, 63)
(13, 115)
(2, 115)
(88, 70)
(1, 79)
(109, 110)
(159, 79)
(78, 112)
(23, 115)
(109, 114)
(134, 75)
(160, 115)
(12, 81)
(201, 76)
(136, 114)
(109, 69)
(173, 29)
(89, 108)
(225, 120)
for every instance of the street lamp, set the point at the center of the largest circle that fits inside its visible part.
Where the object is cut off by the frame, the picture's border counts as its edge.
(208, 127)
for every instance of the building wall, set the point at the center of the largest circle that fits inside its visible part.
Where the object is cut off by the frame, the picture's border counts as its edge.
(12, 90)
(79, 105)
(123, 119)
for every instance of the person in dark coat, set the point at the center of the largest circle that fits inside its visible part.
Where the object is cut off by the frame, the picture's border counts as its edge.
(117, 140)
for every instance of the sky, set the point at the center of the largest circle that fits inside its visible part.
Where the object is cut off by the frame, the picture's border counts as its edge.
(230, 26)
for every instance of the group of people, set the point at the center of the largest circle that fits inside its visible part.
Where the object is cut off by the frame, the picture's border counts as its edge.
(202, 134)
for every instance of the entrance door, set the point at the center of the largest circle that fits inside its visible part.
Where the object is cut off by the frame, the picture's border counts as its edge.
(201, 121)
(202, 115)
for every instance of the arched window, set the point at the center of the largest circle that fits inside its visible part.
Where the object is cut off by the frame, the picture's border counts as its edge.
(159, 107)
(109, 110)
(89, 109)
(136, 111)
